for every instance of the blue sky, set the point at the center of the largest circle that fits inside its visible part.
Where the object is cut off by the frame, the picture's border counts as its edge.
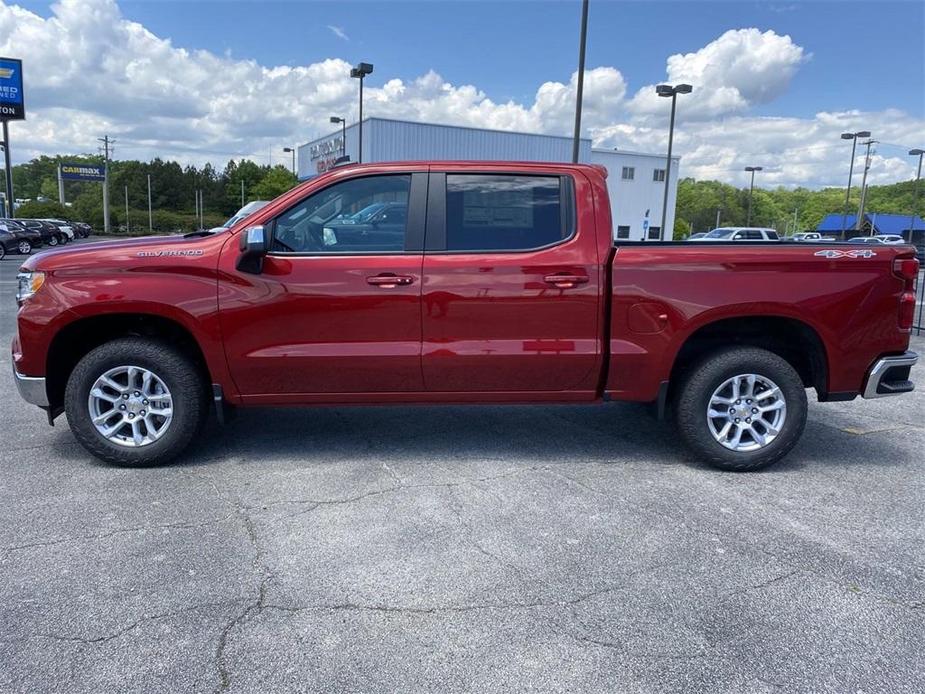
(507, 48)
(774, 82)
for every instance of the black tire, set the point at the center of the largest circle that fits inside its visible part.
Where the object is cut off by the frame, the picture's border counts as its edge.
(693, 396)
(23, 247)
(2, 251)
(182, 378)
(53, 240)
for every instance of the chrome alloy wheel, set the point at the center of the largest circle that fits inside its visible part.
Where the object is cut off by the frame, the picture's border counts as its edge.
(746, 412)
(130, 406)
(25, 248)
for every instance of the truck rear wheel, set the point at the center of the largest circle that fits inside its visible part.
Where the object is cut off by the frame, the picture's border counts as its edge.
(135, 402)
(741, 409)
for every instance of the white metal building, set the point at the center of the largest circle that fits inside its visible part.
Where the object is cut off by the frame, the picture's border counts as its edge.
(636, 180)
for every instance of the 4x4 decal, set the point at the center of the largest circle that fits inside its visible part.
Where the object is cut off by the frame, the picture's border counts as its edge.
(832, 253)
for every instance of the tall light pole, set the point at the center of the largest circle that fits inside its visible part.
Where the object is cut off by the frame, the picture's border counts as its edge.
(343, 136)
(857, 222)
(150, 213)
(359, 72)
(915, 194)
(667, 90)
(582, 42)
(751, 189)
(292, 151)
(854, 142)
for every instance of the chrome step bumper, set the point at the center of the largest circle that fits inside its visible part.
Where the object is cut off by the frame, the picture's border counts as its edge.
(890, 376)
(31, 388)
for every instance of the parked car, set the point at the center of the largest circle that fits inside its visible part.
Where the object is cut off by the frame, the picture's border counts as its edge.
(81, 229)
(14, 239)
(506, 286)
(698, 235)
(33, 236)
(891, 238)
(810, 236)
(64, 227)
(51, 235)
(739, 234)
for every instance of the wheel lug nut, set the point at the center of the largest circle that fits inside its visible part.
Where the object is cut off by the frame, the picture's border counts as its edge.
(121, 407)
(137, 393)
(144, 402)
(732, 410)
(754, 410)
(738, 402)
(748, 420)
(737, 420)
(131, 416)
(125, 396)
(748, 402)
(142, 413)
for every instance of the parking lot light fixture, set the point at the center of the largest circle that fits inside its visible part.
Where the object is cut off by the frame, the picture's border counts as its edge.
(751, 189)
(360, 72)
(343, 137)
(668, 90)
(291, 150)
(854, 143)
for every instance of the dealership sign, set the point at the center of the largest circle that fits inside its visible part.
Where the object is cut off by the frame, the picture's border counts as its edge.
(12, 101)
(83, 172)
(324, 154)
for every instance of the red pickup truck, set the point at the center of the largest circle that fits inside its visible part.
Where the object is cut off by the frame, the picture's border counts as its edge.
(456, 282)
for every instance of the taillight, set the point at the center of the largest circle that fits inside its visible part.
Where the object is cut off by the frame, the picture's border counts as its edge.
(907, 269)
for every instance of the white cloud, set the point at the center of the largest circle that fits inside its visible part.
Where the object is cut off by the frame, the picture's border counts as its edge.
(740, 69)
(89, 71)
(338, 32)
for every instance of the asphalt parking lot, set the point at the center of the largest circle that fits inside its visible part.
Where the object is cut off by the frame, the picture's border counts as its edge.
(463, 549)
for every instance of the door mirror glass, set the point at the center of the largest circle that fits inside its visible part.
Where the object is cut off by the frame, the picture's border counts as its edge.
(255, 243)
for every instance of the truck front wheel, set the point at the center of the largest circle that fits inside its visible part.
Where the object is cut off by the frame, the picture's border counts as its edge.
(741, 408)
(135, 402)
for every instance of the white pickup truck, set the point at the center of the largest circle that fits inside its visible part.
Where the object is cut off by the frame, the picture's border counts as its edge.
(739, 234)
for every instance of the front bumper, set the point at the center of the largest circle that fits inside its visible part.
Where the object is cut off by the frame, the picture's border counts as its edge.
(31, 388)
(890, 376)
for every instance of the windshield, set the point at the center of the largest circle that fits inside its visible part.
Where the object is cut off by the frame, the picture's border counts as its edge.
(721, 233)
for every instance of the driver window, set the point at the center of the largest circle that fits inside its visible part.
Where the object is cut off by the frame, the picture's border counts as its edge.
(362, 215)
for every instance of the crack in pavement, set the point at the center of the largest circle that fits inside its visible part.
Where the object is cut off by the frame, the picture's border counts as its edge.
(256, 605)
(317, 503)
(116, 531)
(103, 638)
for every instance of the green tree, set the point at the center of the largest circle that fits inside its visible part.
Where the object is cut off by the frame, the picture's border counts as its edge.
(277, 181)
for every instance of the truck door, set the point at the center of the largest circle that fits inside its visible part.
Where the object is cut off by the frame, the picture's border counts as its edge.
(335, 309)
(511, 285)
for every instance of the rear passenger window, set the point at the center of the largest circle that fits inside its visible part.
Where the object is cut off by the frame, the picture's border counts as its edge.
(506, 212)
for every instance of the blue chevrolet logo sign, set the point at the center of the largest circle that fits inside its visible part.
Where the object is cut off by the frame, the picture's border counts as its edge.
(12, 102)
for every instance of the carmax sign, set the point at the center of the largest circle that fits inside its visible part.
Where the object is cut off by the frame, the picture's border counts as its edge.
(83, 172)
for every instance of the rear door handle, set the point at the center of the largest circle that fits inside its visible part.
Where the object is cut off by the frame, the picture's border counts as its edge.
(565, 281)
(389, 280)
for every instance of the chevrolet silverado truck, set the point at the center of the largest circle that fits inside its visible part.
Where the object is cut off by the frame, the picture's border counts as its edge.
(500, 284)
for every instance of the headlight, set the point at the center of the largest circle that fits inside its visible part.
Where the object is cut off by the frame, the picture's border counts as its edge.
(29, 284)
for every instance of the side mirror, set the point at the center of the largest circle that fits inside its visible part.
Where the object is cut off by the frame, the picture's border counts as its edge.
(255, 242)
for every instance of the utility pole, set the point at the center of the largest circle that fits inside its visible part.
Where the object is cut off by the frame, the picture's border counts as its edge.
(858, 222)
(915, 195)
(150, 214)
(582, 42)
(794, 220)
(242, 192)
(128, 227)
(106, 144)
(719, 211)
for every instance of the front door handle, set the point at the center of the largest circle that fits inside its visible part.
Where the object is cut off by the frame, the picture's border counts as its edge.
(565, 281)
(389, 280)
